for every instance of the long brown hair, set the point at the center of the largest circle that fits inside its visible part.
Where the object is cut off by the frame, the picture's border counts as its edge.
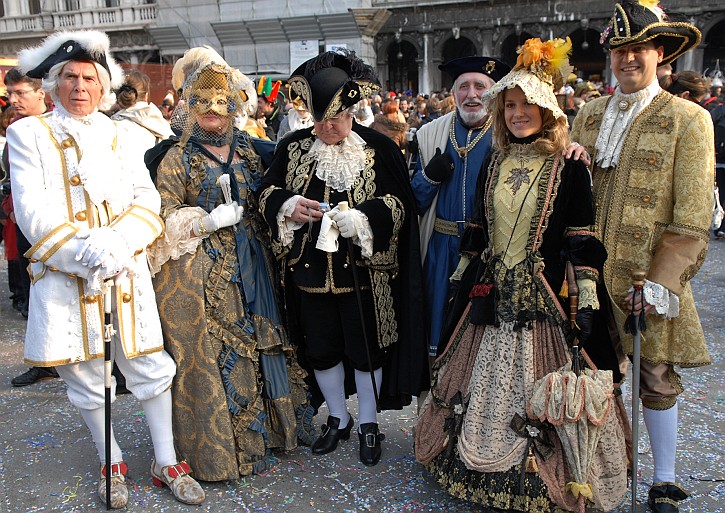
(554, 132)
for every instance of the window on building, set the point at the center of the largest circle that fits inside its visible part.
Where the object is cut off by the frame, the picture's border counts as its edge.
(71, 5)
(34, 6)
(2, 9)
(112, 3)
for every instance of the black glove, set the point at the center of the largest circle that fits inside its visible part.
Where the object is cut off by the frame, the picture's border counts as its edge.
(440, 167)
(585, 323)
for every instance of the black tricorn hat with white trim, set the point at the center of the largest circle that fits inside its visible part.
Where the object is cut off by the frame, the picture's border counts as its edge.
(81, 45)
(644, 20)
(333, 82)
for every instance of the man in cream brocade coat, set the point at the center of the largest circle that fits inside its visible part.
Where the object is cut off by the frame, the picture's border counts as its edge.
(653, 173)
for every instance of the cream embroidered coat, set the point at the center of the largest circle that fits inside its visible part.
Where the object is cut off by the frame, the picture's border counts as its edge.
(653, 213)
(52, 202)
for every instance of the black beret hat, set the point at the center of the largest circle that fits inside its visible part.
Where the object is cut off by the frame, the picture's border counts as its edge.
(494, 68)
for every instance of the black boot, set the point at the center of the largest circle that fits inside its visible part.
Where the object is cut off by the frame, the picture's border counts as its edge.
(370, 438)
(33, 375)
(331, 435)
(665, 498)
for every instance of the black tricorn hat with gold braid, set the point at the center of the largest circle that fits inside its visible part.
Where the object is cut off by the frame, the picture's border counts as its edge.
(645, 20)
(333, 82)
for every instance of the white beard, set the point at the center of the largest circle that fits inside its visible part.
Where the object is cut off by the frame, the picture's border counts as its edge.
(472, 119)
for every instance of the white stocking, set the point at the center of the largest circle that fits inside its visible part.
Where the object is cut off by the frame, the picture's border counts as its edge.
(662, 429)
(158, 415)
(96, 422)
(332, 384)
(365, 395)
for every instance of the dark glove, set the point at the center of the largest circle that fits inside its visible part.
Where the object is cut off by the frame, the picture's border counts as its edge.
(440, 167)
(585, 323)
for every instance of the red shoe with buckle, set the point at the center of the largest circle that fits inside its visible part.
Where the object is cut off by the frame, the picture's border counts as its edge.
(177, 478)
(119, 492)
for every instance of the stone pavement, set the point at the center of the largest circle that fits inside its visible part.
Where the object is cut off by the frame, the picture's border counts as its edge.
(48, 463)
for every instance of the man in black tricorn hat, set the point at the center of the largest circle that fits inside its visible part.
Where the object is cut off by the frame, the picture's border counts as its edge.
(452, 150)
(355, 307)
(652, 176)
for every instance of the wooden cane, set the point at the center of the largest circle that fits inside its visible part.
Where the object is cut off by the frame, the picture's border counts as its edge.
(637, 284)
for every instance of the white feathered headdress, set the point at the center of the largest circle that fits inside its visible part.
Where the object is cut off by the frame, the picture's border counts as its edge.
(81, 45)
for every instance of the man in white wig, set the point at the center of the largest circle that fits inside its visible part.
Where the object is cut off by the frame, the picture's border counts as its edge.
(89, 212)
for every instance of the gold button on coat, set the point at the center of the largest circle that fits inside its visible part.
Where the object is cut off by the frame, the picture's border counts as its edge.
(90, 299)
(646, 198)
(75, 180)
(126, 297)
(81, 216)
(66, 144)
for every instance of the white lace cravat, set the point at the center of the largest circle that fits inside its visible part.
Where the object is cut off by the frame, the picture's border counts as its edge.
(339, 165)
(621, 111)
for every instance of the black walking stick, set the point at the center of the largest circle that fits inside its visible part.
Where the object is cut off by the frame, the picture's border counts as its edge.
(351, 251)
(635, 324)
(108, 333)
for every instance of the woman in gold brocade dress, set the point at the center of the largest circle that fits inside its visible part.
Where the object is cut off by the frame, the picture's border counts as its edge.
(534, 212)
(238, 391)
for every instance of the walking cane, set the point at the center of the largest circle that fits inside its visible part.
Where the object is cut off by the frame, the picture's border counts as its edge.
(351, 251)
(108, 333)
(635, 324)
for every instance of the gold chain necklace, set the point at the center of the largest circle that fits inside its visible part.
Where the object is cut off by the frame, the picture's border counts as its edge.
(462, 152)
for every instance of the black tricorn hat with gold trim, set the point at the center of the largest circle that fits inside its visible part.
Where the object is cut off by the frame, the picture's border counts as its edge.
(333, 82)
(644, 20)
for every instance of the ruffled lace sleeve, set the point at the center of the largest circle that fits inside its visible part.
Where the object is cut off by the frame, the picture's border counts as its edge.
(285, 225)
(665, 302)
(176, 240)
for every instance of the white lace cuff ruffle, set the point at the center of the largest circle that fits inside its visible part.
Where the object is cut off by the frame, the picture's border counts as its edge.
(176, 240)
(364, 237)
(665, 302)
(587, 293)
(285, 225)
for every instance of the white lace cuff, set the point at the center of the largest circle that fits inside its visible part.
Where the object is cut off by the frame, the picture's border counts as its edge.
(285, 225)
(665, 302)
(364, 237)
(176, 240)
(587, 293)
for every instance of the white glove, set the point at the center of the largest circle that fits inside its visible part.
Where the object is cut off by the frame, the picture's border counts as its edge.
(346, 222)
(222, 216)
(103, 246)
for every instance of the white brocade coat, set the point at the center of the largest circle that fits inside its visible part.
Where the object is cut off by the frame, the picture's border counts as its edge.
(68, 175)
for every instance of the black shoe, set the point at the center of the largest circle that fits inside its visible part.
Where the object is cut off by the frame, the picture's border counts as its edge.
(331, 435)
(33, 375)
(665, 498)
(370, 438)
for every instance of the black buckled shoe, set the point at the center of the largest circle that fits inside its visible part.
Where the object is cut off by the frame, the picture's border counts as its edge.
(370, 438)
(666, 497)
(331, 435)
(33, 375)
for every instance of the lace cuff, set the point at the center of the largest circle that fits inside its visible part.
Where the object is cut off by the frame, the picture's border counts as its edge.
(665, 302)
(285, 225)
(176, 240)
(461, 268)
(587, 294)
(364, 237)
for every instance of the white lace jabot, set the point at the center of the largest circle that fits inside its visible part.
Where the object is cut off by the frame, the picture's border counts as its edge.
(621, 111)
(339, 165)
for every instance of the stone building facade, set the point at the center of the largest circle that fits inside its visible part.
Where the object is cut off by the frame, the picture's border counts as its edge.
(420, 35)
(406, 40)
